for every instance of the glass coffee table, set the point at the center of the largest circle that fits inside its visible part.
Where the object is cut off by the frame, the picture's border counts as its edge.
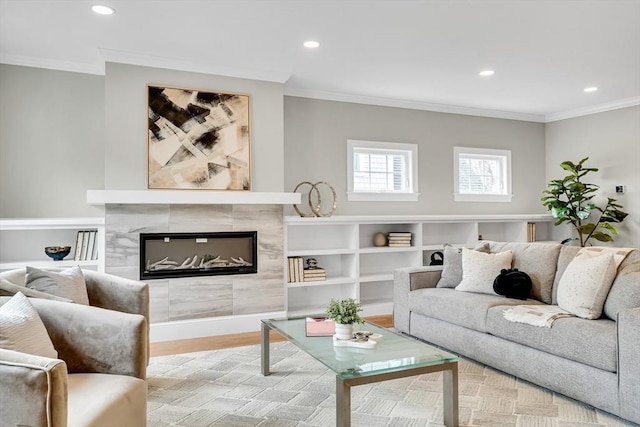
(394, 356)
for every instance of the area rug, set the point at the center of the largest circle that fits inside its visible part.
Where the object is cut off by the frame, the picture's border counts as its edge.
(226, 388)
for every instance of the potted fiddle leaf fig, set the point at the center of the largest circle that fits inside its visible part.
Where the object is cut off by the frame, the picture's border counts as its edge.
(345, 314)
(570, 200)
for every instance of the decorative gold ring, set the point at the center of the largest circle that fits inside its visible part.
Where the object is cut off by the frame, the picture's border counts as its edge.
(312, 188)
(316, 208)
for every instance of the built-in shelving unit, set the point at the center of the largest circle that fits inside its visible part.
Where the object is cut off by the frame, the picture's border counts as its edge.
(343, 246)
(22, 241)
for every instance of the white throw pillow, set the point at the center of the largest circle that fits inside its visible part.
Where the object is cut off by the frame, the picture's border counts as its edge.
(21, 329)
(68, 283)
(479, 270)
(585, 284)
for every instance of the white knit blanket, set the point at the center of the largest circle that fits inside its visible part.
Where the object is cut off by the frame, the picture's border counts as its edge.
(537, 315)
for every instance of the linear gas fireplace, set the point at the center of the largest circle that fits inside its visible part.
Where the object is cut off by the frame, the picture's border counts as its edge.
(167, 255)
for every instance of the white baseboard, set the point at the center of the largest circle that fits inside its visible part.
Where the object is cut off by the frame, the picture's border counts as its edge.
(211, 326)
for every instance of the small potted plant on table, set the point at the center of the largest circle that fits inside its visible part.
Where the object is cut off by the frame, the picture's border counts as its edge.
(345, 314)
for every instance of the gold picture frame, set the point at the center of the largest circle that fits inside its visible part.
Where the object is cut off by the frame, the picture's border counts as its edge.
(198, 139)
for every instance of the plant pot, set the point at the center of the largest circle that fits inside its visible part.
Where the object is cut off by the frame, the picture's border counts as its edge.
(344, 332)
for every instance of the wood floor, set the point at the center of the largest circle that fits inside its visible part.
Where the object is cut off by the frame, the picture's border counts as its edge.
(234, 340)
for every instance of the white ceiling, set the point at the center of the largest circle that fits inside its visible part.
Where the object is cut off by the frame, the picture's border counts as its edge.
(420, 54)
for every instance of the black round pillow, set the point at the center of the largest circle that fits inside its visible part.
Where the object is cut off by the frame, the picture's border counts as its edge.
(513, 283)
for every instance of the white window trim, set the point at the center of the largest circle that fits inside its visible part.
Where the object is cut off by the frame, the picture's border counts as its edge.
(460, 197)
(382, 196)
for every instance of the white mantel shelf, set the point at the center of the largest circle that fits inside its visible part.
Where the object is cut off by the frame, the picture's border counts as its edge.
(189, 197)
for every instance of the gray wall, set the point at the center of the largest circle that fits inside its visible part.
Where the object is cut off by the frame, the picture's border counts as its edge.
(51, 142)
(316, 134)
(126, 119)
(611, 140)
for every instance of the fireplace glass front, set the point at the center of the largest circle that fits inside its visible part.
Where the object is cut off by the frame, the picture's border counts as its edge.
(166, 255)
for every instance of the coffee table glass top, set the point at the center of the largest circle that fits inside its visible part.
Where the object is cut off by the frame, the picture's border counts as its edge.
(392, 353)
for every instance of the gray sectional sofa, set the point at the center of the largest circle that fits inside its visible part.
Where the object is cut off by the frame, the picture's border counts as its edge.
(594, 361)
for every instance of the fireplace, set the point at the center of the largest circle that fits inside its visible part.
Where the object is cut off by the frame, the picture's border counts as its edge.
(170, 255)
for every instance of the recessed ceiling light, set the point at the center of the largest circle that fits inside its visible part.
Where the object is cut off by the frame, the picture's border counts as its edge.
(103, 10)
(311, 44)
(590, 89)
(487, 73)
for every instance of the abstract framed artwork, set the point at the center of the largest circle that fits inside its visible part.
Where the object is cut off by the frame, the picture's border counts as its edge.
(198, 140)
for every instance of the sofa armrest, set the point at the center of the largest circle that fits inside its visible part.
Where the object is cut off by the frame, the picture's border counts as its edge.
(406, 280)
(117, 293)
(629, 363)
(92, 339)
(33, 390)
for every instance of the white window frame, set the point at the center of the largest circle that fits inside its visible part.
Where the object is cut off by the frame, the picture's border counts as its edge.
(504, 155)
(411, 153)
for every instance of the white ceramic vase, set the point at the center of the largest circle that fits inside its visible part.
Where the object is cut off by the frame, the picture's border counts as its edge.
(344, 332)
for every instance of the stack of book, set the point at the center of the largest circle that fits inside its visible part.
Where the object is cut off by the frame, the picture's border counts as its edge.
(399, 239)
(294, 273)
(86, 245)
(314, 274)
(531, 232)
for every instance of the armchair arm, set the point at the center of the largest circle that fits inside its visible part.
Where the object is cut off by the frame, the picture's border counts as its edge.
(33, 390)
(92, 339)
(406, 280)
(117, 293)
(629, 363)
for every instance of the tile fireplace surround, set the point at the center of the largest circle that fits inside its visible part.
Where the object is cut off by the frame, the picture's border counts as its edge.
(209, 305)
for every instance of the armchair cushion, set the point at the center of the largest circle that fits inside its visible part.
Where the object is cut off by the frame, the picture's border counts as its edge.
(21, 329)
(9, 289)
(67, 283)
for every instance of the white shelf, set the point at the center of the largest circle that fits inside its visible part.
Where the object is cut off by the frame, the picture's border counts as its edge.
(344, 246)
(320, 252)
(49, 223)
(327, 282)
(384, 249)
(46, 264)
(22, 241)
(376, 277)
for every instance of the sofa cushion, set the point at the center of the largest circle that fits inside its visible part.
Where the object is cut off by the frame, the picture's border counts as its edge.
(479, 270)
(460, 308)
(567, 253)
(451, 274)
(585, 284)
(538, 260)
(625, 291)
(102, 400)
(592, 342)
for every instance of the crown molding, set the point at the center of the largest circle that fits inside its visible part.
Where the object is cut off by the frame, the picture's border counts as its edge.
(122, 57)
(413, 105)
(52, 64)
(282, 77)
(600, 108)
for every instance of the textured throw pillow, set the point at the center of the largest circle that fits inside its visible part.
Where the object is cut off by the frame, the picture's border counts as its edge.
(584, 285)
(479, 270)
(451, 275)
(66, 284)
(21, 329)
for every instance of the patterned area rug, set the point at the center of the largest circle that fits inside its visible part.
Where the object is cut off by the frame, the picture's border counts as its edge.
(225, 388)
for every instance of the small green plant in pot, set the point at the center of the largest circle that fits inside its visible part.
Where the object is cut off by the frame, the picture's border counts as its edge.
(570, 201)
(345, 314)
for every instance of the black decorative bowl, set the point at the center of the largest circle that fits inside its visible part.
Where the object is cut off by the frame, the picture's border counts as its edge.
(57, 253)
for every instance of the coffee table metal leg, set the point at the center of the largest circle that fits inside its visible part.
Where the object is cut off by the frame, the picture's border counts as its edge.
(264, 350)
(450, 388)
(343, 403)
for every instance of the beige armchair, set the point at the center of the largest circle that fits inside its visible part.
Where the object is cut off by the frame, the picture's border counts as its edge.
(99, 376)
